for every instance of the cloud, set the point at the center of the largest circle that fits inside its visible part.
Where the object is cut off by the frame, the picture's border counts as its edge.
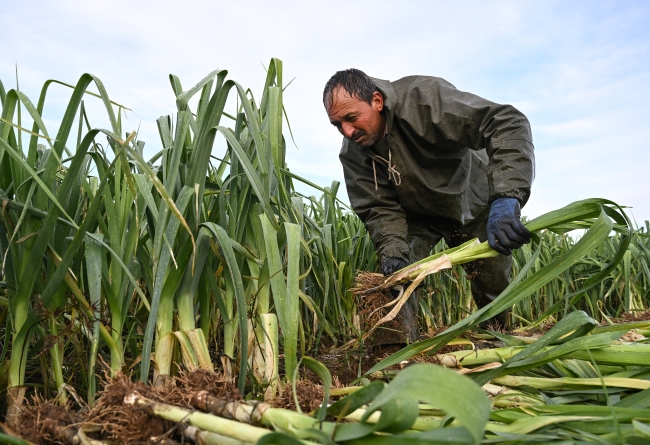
(578, 70)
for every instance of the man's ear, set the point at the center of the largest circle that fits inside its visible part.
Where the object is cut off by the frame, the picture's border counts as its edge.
(378, 101)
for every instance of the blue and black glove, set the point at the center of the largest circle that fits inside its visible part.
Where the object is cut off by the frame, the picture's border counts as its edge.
(391, 265)
(504, 228)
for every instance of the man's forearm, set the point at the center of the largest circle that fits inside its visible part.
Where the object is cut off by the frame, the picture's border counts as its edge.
(511, 170)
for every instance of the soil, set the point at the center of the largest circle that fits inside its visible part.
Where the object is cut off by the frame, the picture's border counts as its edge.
(628, 317)
(45, 422)
(310, 396)
(345, 368)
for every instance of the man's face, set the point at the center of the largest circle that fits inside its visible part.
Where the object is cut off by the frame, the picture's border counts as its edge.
(361, 122)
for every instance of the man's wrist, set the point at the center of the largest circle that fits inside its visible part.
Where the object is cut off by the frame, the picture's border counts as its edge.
(519, 196)
(401, 253)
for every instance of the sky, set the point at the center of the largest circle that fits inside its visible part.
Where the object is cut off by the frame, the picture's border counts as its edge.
(579, 70)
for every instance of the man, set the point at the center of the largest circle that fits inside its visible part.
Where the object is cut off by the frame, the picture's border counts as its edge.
(424, 161)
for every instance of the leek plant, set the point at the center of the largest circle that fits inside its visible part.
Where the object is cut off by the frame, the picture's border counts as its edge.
(165, 257)
(450, 296)
(49, 220)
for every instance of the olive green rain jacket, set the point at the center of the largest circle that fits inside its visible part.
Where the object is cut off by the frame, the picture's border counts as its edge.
(446, 156)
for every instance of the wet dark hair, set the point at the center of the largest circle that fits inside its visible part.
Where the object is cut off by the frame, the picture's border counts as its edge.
(355, 82)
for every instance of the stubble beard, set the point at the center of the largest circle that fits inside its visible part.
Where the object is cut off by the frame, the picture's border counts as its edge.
(368, 140)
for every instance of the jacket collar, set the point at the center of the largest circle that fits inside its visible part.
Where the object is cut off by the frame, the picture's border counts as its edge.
(390, 100)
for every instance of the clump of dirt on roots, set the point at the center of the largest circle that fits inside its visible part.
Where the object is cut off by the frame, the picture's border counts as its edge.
(375, 305)
(310, 396)
(188, 384)
(46, 423)
(370, 305)
(125, 423)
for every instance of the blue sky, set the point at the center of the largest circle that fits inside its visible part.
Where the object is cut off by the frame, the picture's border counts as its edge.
(580, 70)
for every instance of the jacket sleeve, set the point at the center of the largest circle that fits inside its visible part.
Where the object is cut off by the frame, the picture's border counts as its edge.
(380, 212)
(462, 119)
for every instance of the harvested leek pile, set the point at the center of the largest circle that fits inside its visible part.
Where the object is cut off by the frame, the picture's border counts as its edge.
(210, 281)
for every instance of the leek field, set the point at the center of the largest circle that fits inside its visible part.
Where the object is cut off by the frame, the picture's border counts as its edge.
(195, 296)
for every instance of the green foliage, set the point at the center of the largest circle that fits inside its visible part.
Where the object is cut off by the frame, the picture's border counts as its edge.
(109, 258)
(118, 259)
(449, 297)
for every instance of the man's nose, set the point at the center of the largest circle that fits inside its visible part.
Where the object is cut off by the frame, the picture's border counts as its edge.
(347, 129)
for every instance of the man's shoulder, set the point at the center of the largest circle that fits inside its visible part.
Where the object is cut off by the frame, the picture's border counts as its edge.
(417, 82)
(413, 92)
(409, 90)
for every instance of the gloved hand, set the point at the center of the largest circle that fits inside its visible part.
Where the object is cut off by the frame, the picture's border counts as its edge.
(391, 265)
(504, 228)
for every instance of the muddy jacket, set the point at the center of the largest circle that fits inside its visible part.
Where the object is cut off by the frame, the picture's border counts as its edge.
(446, 156)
